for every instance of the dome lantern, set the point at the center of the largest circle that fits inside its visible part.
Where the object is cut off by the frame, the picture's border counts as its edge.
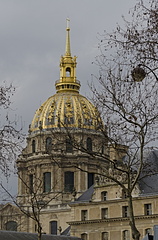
(67, 81)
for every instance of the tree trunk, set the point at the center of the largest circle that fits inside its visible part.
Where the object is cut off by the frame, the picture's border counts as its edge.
(135, 232)
(39, 232)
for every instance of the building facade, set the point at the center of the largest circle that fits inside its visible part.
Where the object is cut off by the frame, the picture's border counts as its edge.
(57, 183)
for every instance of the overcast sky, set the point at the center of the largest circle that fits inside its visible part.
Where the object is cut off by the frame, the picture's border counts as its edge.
(32, 39)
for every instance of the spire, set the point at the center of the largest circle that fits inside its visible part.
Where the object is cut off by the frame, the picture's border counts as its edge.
(67, 81)
(67, 49)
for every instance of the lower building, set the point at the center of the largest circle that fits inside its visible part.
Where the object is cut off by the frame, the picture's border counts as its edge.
(101, 212)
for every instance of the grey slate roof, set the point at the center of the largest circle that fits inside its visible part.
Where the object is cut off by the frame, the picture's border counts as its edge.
(87, 195)
(66, 232)
(149, 184)
(9, 235)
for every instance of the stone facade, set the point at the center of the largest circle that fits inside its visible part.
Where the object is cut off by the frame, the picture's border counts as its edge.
(58, 172)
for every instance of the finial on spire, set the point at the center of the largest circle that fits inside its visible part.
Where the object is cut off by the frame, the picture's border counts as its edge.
(68, 21)
(67, 50)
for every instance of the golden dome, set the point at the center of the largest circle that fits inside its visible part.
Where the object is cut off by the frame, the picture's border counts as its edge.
(67, 107)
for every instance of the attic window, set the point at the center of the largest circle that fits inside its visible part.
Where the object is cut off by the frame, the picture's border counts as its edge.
(68, 72)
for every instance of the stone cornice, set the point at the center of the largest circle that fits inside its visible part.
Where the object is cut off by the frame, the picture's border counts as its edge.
(120, 219)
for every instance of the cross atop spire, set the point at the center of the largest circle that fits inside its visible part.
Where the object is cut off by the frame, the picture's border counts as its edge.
(68, 21)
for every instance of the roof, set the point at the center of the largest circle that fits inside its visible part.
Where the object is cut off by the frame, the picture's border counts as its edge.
(68, 109)
(86, 196)
(10, 235)
(149, 184)
(66, 232)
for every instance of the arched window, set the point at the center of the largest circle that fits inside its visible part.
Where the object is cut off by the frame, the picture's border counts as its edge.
(148, 231)
(68, 72)
(68, 181)
(48, 144)
(11, 226)
(53, 227)
(89, 144)
(125, 235)
(84, 236)
(69, 146)
(105, 235)
(33, 146)
(46, 182)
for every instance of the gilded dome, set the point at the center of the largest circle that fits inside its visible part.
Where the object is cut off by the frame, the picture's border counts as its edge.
(67, 107)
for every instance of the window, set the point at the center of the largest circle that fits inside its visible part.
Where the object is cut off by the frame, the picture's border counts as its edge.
(105, 235)
(11, 226)
(68, 181)
(89, 144)
(53, 227)
(46, 182)
(48, 144)
(147, 209)
(84, 236)
(33, 146)
(84, 215)
(104, 213)
(103, 196)
(148, 231)
(69, 147)
(102, 149)
(68, 72)
(90, 179)
(125, 235)
(31, 183)
(125, 211)
(124, 194)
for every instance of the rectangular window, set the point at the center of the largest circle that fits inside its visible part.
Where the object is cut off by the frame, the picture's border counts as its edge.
(125, 211)
(104, 196)
(46, 182)
(147, 209)
(53, 227)
(90, 179)
(124, 194)
(104, 213)
(105, 235)
(84, 215)
(84, 236)
(69, 146)
(69, 181)
(31, 183)
(125, 235)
